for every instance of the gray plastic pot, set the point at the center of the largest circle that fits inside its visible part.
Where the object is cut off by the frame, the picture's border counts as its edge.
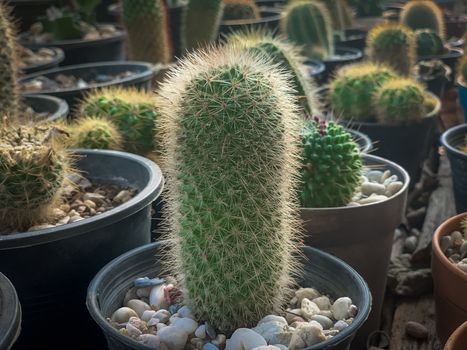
(51, 268)
(10, 314)
(363, 141)
(322, 271)
(54, 106)
(362, 236)
(141, 78)
(344, 55)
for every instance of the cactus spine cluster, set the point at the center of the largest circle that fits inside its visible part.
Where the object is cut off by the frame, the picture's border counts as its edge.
(428, 43)
(202, 22)
(393, 44)
(9, 89)
(32, 174)
(400, 100)
(240, 9)
(147, 26)
(353, 88)
(332, 166)
(134, 112)
(284, 54)
(93, 132)
(308, 23)
(342, 14)
(423, 14)
(231, 134)
(462, 69)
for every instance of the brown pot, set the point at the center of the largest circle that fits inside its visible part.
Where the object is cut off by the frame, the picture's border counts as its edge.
(458, 339)
(450, 284)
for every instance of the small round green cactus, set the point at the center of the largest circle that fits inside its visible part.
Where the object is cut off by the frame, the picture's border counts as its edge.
(94, 132)
(33, 164)
(353, 88)
(133, 111)
(462, 69)
(287, 56)
(332, 166)
(393, 44)
(240, 9)
(231, 133)
(308, 24)
(423, 14)
(400, 100)
(429, 43)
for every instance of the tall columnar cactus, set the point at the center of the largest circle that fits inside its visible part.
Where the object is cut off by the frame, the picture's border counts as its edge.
(133, 111)
(395, 45)
(240, 9)
(428, 43)
(33, 164)
(342, 14)
(287, 56)
(9, 89)
(202, 22)
(352, 90)
(308, 23)
(400, 100)
(462, 69)
(147, 25)
(332, 166)
(231, 134)
(93, 132)
(423, 14)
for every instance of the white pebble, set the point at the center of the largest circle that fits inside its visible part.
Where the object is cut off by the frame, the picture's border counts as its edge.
(271, 330)
(323, 321)
(156, 297)
(323, 302)
(462, 265)
(340, 308)
(309, 308)
(305, 335)
(390, 179)
(369, 188)
(386, 175)
(138, 306)
(340, 325)
(393, 188)
(292, 314)
(374, 175)
(184, 311)
(187, 324)
(219, 341)
(153, 341)
(173, 337)
(309, 293)
(162, 315)
(123, 314)
(374, 198)
(266, 347)
(273, 318)
(245, 339)
(147, 315)
(201, 332)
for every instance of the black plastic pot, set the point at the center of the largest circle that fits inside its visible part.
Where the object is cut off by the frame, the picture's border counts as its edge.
(316, 68)
(451, 139)
(449, 58)
(344, 55)
(56, 108)
(271, 3)
(141, 78)
(10, 314)
(436, 83)
(26, 12)
(353, 38)
(57, 59)
(455, 25)
(362, 236)
(322, 271)
(270, 19)
(363, 141)
(52, 268)
(86, 51)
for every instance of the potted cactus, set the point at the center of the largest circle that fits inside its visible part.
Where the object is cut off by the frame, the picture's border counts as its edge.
(38, 223)
(202, 22)
(396, 113)
(308, 24)
(226, 102)
(331, 186)
(462, 84)
(10, 313)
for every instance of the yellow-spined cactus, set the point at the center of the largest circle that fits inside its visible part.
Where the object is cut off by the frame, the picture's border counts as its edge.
(96, 132)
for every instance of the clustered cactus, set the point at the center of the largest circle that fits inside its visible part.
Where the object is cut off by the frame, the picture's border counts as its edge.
(240, 9)
(428, 43)
(231, 134)
(308, 23)
(94, 132)
(400, 100)
(353, 88)
(423, 14)
(147, 26)
(393, 44)
(134, 112)
(33, 165)
(202, 22)
(9, 89)
(284, 54)
(332, 165)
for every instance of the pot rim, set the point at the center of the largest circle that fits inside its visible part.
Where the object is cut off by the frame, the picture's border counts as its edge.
(59, 56)
(145, 196)
(62, 106)
(354, 54)
(66, 69)
(452, 52)
(274, 14)
(447, 145)
(93, 306)
(394, 197)
(452, 339)
(313, 62)
(436, 248)
(13, 328)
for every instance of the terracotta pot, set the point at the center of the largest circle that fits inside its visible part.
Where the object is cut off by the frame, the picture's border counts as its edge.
(458, 339)
(450, 284)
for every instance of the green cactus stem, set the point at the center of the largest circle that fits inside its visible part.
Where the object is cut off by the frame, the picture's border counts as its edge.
(240, 10)
(202, 22)
(231, 134)
(423, 14)
(94, 132)
(332, 165)
(308, 23)
(429, 43)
